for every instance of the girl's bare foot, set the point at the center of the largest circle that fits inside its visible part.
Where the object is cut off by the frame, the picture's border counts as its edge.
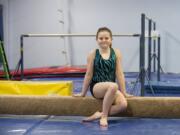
(95, 116)
(104, 121)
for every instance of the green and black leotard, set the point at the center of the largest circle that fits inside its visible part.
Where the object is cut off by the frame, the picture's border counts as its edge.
(104, 69)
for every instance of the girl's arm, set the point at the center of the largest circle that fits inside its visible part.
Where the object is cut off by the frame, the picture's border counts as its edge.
(119, 73)
(88, 75)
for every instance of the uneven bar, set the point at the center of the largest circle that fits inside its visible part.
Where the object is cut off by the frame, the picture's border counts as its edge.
(77, 35)
(151, 107)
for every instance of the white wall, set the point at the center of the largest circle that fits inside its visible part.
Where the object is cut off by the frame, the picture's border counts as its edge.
(123, 16)
(86, 16)
(32, 16)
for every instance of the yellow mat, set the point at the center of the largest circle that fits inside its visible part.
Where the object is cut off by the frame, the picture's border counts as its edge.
(63, 88)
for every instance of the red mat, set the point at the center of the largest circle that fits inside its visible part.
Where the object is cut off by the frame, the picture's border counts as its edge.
(51, 71)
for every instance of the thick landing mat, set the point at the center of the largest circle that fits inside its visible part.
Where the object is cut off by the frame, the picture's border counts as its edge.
(63, 88)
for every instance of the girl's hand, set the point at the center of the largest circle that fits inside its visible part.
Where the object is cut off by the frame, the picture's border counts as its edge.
(78, 95)
(128, 95)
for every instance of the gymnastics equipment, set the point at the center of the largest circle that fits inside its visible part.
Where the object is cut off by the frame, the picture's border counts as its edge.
(141, 36)
(151, 56)
(4, 61)
(150, 107)
(20, 65)
(61, 88)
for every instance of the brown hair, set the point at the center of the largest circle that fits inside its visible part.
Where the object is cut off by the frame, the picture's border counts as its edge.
(104, 29)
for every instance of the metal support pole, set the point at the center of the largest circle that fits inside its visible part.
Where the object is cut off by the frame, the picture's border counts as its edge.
(154, 49)
(159, 55)
(142, 54)
(149, 48)
(22, 58)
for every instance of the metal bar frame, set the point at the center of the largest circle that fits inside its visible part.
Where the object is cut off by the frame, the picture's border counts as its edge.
(57, 35)
(77, 35)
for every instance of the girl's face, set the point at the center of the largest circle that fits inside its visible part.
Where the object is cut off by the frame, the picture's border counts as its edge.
(104, 39)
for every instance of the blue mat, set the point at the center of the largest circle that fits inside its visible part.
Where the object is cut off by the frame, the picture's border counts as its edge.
(72, 125)
(163, 87)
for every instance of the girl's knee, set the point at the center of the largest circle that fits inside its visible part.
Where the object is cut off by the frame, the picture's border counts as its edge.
(113, 87)
(124, 104)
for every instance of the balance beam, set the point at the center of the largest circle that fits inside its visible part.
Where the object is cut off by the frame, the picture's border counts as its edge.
(151, 107)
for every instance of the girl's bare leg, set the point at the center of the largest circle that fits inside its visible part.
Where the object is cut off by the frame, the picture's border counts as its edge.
(119, 104)
(108, 91)
(100, 90)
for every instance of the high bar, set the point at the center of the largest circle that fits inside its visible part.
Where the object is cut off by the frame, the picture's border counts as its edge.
(77, 35)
